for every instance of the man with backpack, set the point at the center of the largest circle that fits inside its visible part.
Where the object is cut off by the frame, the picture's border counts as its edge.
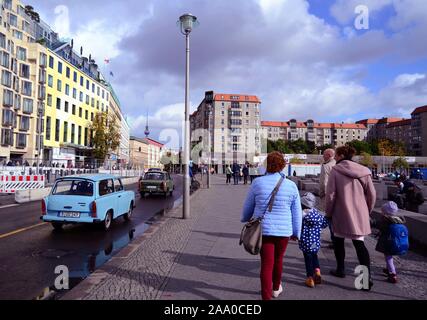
(393, 239)
(412, 194)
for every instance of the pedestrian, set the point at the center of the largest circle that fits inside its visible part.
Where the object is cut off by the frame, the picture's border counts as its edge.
(350, 198)
(228, 174)
(312, 224)
(236, 173)
(409, 196)
(392, 231)
(328, 163)
(294, 174)
(245, 172)
(252, 172)
(281, 223)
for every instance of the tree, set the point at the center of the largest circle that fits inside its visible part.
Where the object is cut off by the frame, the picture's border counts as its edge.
(388, 147)
(400, 163)
(296, 160)
(106, 135)
(361, 146)
(367, 160)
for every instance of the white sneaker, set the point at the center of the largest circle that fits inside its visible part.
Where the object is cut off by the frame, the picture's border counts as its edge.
(278, 292)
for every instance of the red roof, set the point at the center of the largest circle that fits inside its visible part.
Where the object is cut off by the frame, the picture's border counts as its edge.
(236, 97)
(420, 110)
(274, 124)
(401, 123)
(349, 126)
(323, 125)
(367, 121)
(154, 142)
(389, 120)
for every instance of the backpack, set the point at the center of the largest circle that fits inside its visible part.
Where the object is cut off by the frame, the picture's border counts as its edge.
(397, 241)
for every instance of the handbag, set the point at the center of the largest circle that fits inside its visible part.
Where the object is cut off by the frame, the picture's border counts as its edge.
(251, 235)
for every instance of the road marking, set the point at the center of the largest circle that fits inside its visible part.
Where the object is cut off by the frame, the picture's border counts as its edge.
(21, 230)
(9, 205)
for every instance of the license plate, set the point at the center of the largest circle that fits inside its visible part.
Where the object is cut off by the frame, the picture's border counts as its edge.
(151, 187)
(69, 214)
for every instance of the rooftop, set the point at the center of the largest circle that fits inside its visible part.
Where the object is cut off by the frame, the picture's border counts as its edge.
(236, 97)
(420, 110)
(404, 122)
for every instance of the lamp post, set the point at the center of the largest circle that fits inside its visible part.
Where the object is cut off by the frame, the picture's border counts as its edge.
(210, 148)
(187, 22)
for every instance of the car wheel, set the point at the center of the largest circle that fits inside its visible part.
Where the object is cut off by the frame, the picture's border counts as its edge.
(128, 214)
(57, 226)
(108, 221)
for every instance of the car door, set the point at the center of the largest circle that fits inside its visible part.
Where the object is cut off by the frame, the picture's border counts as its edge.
(107, 197)
(121, 202)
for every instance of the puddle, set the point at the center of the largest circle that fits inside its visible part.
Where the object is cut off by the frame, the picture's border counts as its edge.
(94, 260)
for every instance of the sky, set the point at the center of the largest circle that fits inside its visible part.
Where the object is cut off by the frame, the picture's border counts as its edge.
(305, 59)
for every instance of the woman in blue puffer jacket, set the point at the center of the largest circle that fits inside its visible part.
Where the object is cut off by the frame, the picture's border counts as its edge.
(278, 226)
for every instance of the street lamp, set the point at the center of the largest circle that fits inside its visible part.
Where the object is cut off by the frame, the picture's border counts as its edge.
(187, 22)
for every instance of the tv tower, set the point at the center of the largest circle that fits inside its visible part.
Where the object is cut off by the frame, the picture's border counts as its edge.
(147, 131)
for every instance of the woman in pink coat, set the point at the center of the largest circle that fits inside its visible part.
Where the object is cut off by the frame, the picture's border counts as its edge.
(350, 198)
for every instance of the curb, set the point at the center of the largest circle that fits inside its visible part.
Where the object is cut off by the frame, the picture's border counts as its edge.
(100, 274)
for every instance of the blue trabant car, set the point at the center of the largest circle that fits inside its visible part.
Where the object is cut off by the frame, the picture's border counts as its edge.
(96, 198)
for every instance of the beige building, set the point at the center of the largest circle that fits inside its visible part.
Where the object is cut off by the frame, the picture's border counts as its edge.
(226, 128)
(336, 134)
(145, 153)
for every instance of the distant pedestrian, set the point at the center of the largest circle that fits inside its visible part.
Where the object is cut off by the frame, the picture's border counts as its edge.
(393, 239)
(245, 172)
(228, 174)
(281, 223)
(236, 173)
(295, 173)
(350, 198)
(312, 224)
(252, 172)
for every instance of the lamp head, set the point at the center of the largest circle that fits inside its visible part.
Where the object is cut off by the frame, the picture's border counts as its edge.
(187, 23)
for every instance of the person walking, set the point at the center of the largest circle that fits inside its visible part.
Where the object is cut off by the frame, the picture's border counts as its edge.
(328, 163)
(279, 225)
(236, 173)
(252, 172)
(392, 231)
(312, 224)
(245, 172)
(228, 174)
(350, 198)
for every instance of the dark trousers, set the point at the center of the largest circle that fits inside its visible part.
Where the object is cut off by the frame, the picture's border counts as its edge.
(245, 179)
(236, 178)
(361, 251)
(272, 252)
(228, 179)
(311, 263)
(252, 179)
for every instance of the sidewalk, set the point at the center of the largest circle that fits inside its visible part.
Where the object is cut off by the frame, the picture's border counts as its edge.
(200, 258)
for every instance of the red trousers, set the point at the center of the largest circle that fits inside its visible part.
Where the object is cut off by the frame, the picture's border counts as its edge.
(272, 251)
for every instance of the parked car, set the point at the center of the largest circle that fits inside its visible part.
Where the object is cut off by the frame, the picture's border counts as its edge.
(96, 199)
(159, 182)
(154, 169)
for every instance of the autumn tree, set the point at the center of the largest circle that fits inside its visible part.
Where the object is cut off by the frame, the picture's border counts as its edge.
(387, 147)
(400, 164)
(106, 135)
(367, 160)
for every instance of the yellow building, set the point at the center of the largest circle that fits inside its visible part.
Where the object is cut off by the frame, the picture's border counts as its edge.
(74, 96)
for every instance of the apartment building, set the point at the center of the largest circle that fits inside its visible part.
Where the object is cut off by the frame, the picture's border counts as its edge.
(145, 153)
(401, 131)
(22, 86)
(320, 134)
(419, 131)
(226, 128)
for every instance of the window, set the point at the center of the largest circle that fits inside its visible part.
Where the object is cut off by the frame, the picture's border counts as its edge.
(87, 84)
(106, 187)
(51, 62)
(92, 103)
(2, 41)
(24, 71)
(98, 90)
(86, 115)
(43, 60)
(17, 102)
(67, 89)
(60, 67)
(27, 106)
(73, 109)
(48, 125)
(103, 93)
(4, 59)
(74, 93)
(59, 85)
(27, 88)
(86, 136)
(50, 81)
(87, 99)
(91, 116)
(81, 96)
(79, 137)
(57, 128)
(6, 78)
(75, 76)
(65, 131)
(7, 117)
(93, 87)
(58, 103)
(7, 137)
(13, 20)
(80, 112)
(73, 188)
(49, 100)
(118, 185)
(67, 72)
(25, 123)
(81, 81)
(73, 127)
(66, 106)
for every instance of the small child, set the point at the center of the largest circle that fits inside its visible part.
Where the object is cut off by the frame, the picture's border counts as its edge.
(393, 239)
(312, 224)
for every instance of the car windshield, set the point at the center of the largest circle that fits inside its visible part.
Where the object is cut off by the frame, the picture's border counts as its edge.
(154, 176)
(73, 188)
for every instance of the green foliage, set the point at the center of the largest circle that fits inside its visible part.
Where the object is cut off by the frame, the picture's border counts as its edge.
(361, 146)
(367, 160)
(299, 146)
(106, 135)
(400, 163)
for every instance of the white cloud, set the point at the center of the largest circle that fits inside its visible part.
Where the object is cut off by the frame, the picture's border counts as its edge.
(407, 80)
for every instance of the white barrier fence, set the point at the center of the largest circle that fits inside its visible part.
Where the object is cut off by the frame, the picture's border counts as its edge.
(11, 184)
